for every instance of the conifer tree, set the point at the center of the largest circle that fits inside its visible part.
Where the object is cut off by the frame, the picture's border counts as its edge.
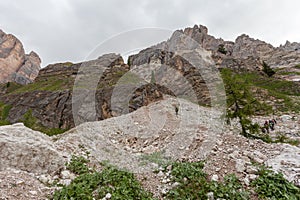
(267, 69)
(241, 103)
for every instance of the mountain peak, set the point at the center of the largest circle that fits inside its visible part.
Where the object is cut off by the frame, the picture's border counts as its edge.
(15, 65)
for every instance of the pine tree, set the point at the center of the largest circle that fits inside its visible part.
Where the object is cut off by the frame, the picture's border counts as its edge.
(241, 103)
(222, 49)
(267, 69)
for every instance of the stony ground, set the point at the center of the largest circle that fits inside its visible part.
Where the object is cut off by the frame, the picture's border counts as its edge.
(131, 141)
(17, 184)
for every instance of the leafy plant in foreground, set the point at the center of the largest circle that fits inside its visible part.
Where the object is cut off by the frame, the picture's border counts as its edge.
(78, 165)
(230, 188)
(271, 185)
(96, 185)
(193, 184)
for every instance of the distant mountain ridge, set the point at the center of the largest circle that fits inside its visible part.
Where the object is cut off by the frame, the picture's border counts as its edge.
(245, 52)
(15, 65)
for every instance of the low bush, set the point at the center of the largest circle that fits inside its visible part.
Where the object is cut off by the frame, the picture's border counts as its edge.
(271, 185)
(4, 112)
(89, 185)
(31, 122)
(78, 165)
(193, 184)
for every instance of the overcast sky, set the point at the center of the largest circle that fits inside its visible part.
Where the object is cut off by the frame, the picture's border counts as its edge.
(67, 30)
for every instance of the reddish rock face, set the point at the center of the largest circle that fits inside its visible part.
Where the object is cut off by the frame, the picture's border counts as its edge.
(15, 65)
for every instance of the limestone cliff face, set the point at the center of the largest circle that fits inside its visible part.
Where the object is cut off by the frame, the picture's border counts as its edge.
(15, 65)
(244, 53)
(245, 47)
(284, 56)
(50, 96)
(288, 46)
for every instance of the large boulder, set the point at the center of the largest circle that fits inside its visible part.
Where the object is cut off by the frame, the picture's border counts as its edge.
(287, 162)
(28, 150)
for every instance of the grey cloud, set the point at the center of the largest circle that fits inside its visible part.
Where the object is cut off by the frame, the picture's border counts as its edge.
(67, 30)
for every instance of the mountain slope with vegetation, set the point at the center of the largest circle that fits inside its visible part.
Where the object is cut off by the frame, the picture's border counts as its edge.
(154, 140)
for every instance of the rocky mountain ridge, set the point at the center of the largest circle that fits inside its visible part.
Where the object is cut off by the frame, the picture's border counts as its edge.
(150, 106)
(15, 65)
(245, 52)
(49, 97)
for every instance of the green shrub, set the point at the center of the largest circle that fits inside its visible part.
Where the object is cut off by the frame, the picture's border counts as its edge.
(222, 49)
(266, 138)
(297, 66)
(280, 138)
(289, 73)
(31, 122)
(121, 185)
(4, 112)
(268, 70)
(230, 188)
(280, 89)
(193, 184)
(68, 64)
(78, 165)
(95, 185)
(294, 142)
(271, 185)
(4, 122)
(181, 170)
(50, 131)
(271, 84)
(28, 119)
(81, 187)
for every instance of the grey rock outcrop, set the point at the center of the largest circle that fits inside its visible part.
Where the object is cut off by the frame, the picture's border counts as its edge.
(287, 162)
(245, 47)
(24, 149)
(183, 63)
(52, 107)
(290, 46)
(15, 65)
(208, 42)
(245, 53)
